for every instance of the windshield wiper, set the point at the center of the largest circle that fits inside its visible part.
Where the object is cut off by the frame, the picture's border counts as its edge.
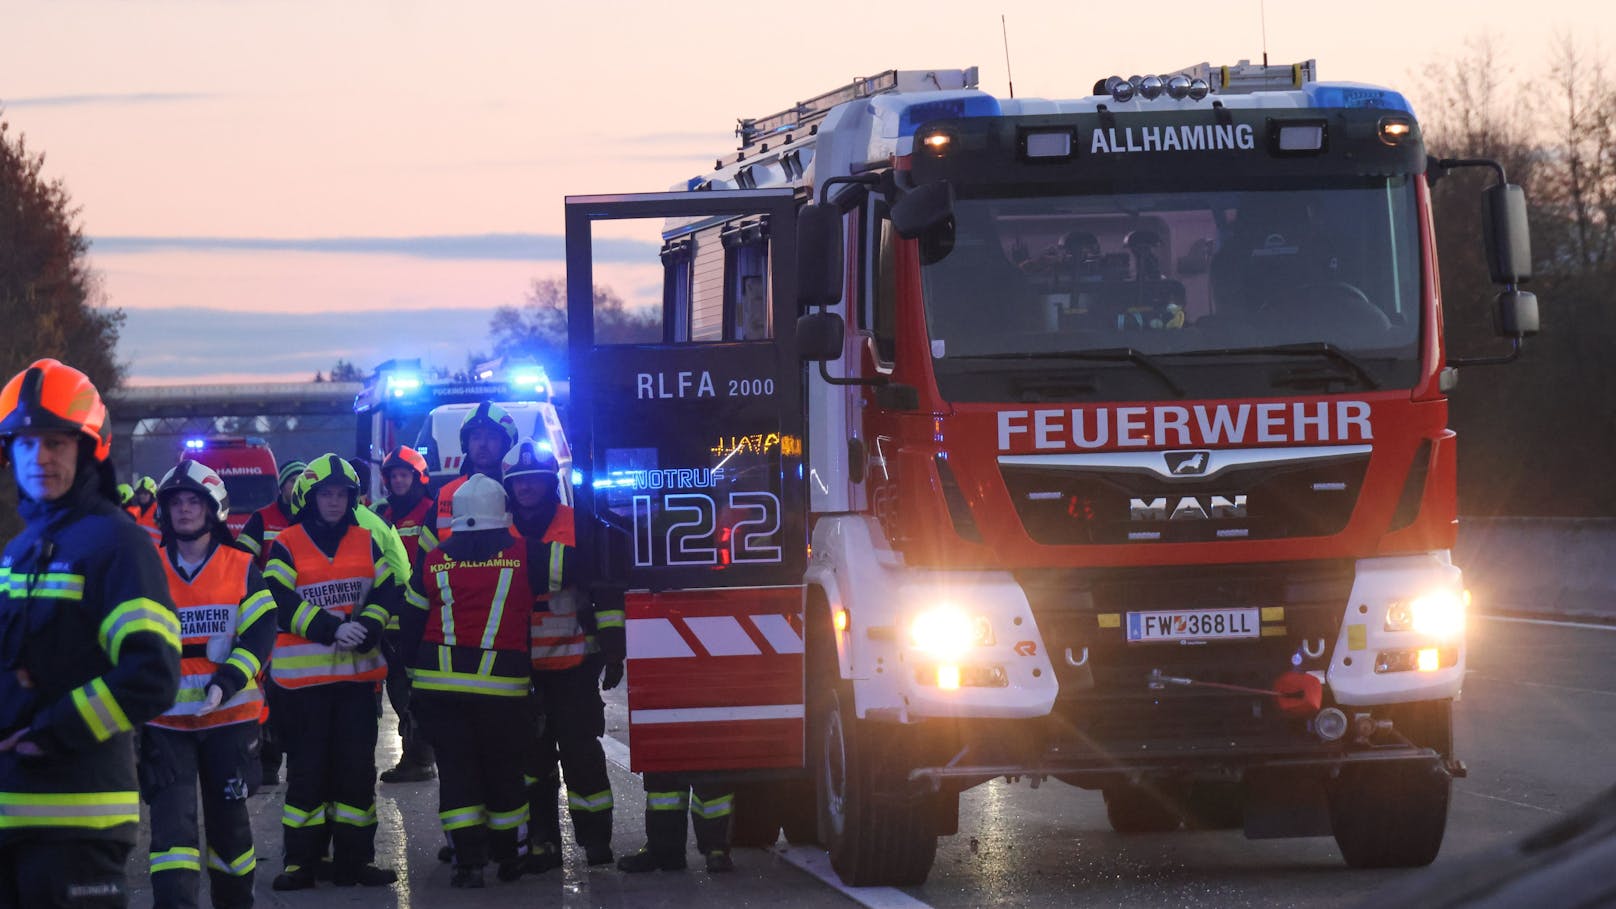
(1111, 354)
(1316, 348)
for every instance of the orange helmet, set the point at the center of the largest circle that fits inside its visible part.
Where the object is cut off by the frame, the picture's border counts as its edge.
(408, 458)
(51, 396)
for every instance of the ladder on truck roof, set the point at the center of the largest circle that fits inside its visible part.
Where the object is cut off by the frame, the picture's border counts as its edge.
(752, 131)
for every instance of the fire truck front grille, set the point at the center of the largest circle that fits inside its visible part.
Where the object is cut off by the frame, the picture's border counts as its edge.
(1075, 506)
(1106, 691)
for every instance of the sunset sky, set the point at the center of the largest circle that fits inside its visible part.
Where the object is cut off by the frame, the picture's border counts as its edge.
(271, 186)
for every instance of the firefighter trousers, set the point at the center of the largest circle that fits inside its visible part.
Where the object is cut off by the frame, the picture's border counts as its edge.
(482, 803)
(218, 758)
(417, 750)
(567, 745)
(64, 874)
(668, 797)
(330, 736)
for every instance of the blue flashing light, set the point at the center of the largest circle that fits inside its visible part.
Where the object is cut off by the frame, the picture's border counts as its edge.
(403, 383)
(195, 444)
(546, 447)
(1347, 94)
(577, 478)
(947, 109)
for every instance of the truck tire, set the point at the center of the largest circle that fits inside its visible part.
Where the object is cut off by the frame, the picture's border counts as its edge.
(1141, 808)
(1390, 815)
(878, 833)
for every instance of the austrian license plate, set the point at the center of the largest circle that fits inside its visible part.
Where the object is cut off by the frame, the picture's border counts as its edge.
(1193, 625)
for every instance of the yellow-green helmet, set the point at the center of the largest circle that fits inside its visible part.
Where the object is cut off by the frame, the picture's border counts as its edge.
(326, 470)
(126, 493)
(147, 483)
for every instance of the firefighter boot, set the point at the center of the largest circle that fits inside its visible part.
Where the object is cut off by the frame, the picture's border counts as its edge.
(646, 860)
(468, 877)
(406, 771)
(364, 876)
(719, 860)
(295, 877)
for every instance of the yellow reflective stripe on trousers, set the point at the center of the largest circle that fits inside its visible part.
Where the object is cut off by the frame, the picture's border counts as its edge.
(608, 618)
(135, 616)
(242, 866)
(461, 818)
(354, 817)
(600, 801)
(508, 820)
(180, 858)
(712, 808)
(99, 710)
(447, 610)
(92, 810)
(292, 816)
(497, 610)
(668, 801)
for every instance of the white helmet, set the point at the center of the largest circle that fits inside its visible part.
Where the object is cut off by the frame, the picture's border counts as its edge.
(479, 504)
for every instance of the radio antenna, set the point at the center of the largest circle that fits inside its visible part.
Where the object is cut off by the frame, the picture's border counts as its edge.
(1005, 30)
(1262, 7)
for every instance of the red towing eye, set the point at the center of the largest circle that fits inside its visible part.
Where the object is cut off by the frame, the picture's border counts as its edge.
(1296, 693)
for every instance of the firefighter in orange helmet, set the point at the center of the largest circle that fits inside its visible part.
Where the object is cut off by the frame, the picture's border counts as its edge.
(566, 671)
(410, 510)
(486, 433)
(465, 633)
(333, 592)
(227, 627)
(89, 650)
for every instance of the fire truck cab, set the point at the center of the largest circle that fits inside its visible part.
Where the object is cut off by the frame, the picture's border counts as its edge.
(1100, 439)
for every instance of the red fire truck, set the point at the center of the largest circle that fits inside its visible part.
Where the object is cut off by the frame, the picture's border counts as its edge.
(1102, 440)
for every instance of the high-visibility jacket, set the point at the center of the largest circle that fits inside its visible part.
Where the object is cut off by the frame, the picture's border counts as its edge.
(558, 637)
(417, 530)
(262, 528)
(225, 602)
(89, 651)
(333, 588)
(446, 506)
(147, 519)
(474, 617)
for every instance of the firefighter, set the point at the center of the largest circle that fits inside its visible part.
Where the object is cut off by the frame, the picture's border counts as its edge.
(486, 434)
(146, 507)
(565, 675)
(668, 796)
(412, 512)
(227, 628)
(262, 528)
(465, 631)
(89, 650)
(333, 591)
(126, 498)
(266, 523)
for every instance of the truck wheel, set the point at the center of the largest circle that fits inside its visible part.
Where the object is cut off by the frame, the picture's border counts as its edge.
(1214, 806)
(1147, 808)
(876, 831)
(1390, 815)
(755, 821)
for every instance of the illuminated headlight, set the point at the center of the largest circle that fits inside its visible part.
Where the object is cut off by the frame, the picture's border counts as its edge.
(948, 634)
(1393, 130)
(1438, 614)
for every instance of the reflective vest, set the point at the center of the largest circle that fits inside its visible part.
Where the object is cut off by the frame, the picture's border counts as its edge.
(275, 523)
(416, 527)
(147, 519)
(339, 586)
(558, 640)
(477, 624)
(209, 607)
(446, 506)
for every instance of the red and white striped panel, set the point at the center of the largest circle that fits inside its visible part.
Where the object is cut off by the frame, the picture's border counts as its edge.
(715, 679)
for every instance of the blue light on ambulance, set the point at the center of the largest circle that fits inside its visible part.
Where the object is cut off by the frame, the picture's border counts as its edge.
(195, 444)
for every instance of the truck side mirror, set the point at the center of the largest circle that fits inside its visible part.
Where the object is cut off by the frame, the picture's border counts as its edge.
(1506, 234)
(923, 209)
(820, 336)
(819, 258)
(1515, 314)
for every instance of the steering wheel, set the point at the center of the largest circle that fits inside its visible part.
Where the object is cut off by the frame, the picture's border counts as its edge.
(1330, 305)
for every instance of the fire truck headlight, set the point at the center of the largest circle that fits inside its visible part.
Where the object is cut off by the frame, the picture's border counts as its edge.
(1151, 87)
(1122, 91)
(1178, 87)
(948, 633)
(1394, 130)
(1199, 89)
(1438, 614)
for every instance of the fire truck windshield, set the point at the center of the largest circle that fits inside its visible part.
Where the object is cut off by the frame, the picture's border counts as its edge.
(1203, 282)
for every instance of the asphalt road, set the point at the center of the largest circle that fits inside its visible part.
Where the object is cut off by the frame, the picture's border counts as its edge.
(1534, 726)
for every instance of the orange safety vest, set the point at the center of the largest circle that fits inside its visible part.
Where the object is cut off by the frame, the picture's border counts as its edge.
(209, 606)
(339, 586)
(558, 639)
(147, 519)
(446, 506)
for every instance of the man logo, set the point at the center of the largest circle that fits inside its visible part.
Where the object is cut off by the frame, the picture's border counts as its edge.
(1187, 463)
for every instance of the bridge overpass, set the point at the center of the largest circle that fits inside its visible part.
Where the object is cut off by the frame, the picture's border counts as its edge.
(298, 419)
